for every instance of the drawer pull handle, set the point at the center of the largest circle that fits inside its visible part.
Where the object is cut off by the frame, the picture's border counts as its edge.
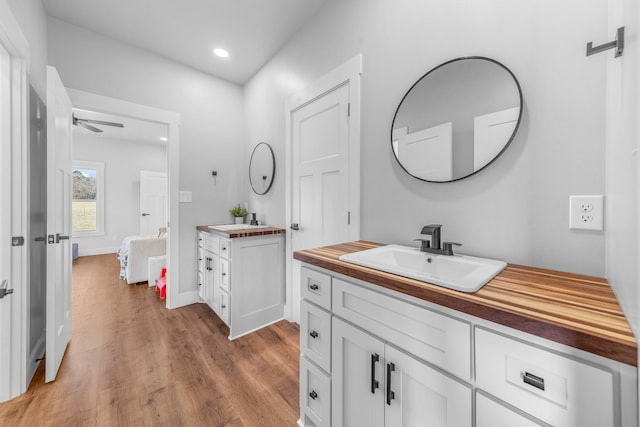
(314, 287)
(313, 334)
(374, 382)
(313, 394)
(533, 380)
(390, 395)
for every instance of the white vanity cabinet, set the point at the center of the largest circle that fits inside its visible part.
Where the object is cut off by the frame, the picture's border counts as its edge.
(242, 279)
(396, 360)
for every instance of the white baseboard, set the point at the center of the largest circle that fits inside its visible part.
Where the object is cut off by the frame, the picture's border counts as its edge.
(97, 251)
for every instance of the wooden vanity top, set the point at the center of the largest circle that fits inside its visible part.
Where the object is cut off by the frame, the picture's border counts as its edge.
(249, 232)
(578, 311)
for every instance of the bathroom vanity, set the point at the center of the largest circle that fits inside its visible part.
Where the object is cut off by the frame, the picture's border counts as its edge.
(533, 347)
(241, 275)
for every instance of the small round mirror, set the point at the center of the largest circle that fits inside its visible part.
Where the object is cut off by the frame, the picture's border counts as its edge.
(456, 119)
(262, 168)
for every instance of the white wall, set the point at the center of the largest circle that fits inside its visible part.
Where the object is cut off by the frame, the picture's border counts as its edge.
(517, 209)
(32, 19)
(123, 161)
(210, 113)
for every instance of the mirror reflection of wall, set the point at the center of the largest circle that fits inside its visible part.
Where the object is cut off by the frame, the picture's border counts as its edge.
(456, 119)
(262, 168)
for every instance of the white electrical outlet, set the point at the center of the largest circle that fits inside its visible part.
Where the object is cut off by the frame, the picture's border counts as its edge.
(586, 212)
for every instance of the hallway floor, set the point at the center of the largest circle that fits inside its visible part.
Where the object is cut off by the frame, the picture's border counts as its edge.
(131, 362)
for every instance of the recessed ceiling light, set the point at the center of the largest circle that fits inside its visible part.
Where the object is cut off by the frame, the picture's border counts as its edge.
(164, 138)
(221, 52)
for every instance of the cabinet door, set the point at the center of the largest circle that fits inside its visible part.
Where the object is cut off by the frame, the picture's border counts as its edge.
(357, 386)
(224, 307)
(213, 284)
(225, 274)
(418, 395)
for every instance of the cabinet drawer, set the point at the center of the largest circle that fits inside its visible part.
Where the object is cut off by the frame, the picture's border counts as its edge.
(225, 248)
(431, 336)
(210, 243)
(316, 287)
(315, 334)
(556, 389)
(315, 395)
(490, 413)
(225, 274)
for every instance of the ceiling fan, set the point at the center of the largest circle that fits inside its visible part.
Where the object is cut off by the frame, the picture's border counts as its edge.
(87, 124)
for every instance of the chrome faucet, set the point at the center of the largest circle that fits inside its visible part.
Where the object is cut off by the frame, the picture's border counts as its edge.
(432, 245)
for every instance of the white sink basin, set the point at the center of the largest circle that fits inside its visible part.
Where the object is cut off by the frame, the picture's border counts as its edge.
(459, 272)
(231, 227)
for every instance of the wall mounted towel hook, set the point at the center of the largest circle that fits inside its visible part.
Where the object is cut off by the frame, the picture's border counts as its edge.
(618, 44)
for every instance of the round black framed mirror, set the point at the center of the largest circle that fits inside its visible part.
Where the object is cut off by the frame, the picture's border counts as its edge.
(262, 168)
(456, 119)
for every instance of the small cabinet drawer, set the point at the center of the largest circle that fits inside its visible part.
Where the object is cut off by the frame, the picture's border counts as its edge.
(224, 274)
(210, 242)
(431, 336)
(490, 413)
(556, 389)
(315, 334)
(316, 287)
(315, 395)
(225, 248)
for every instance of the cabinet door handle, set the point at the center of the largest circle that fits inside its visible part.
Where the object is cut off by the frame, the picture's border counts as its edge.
(533, 380)
(313, 334)
(313, 394)
(374, 382)
(390, 395)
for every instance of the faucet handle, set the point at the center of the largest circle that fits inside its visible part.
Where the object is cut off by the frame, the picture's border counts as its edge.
(447, 247)
(424, 243)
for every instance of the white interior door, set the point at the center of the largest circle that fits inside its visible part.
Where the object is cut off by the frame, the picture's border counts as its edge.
(59, 162)
(320, 179)
(426, 153)
(153, 202)
(490, 132)
(5, 227)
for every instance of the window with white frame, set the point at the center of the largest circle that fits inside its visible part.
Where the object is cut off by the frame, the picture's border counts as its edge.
(87, 210)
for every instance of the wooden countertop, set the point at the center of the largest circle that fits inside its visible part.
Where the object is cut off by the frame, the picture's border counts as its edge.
(249, 232)
(578, 311)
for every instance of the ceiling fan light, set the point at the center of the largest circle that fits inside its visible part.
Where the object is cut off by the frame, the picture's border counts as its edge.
(221, 52)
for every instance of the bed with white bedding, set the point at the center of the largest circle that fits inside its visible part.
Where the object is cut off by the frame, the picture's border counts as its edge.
(134, 255)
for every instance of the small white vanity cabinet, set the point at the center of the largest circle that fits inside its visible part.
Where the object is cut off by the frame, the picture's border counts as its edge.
(242, 279)
(371, 356)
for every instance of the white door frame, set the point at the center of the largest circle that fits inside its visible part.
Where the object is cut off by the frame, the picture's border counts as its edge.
(13, 40)
(349, 72)
(103, 104)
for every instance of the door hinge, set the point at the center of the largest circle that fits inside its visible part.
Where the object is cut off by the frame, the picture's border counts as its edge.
(349, 218)
(348, 110)
(17, 241)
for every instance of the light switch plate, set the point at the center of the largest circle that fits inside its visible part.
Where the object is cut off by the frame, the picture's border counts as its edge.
(586, 212)
(185, 197)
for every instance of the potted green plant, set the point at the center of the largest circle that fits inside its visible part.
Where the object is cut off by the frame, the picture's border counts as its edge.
(238, 213)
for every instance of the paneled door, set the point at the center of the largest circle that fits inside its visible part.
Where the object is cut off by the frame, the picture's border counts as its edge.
(153, 202)
(320, 193)
(59, 162)
(6, 302)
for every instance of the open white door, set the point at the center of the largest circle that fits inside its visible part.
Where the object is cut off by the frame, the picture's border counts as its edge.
(59, 163)
(324, 169)
(5, 229)
(426, 153)
(153, 202)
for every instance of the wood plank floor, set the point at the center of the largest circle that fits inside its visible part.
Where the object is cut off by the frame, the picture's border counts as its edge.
(131, 362)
